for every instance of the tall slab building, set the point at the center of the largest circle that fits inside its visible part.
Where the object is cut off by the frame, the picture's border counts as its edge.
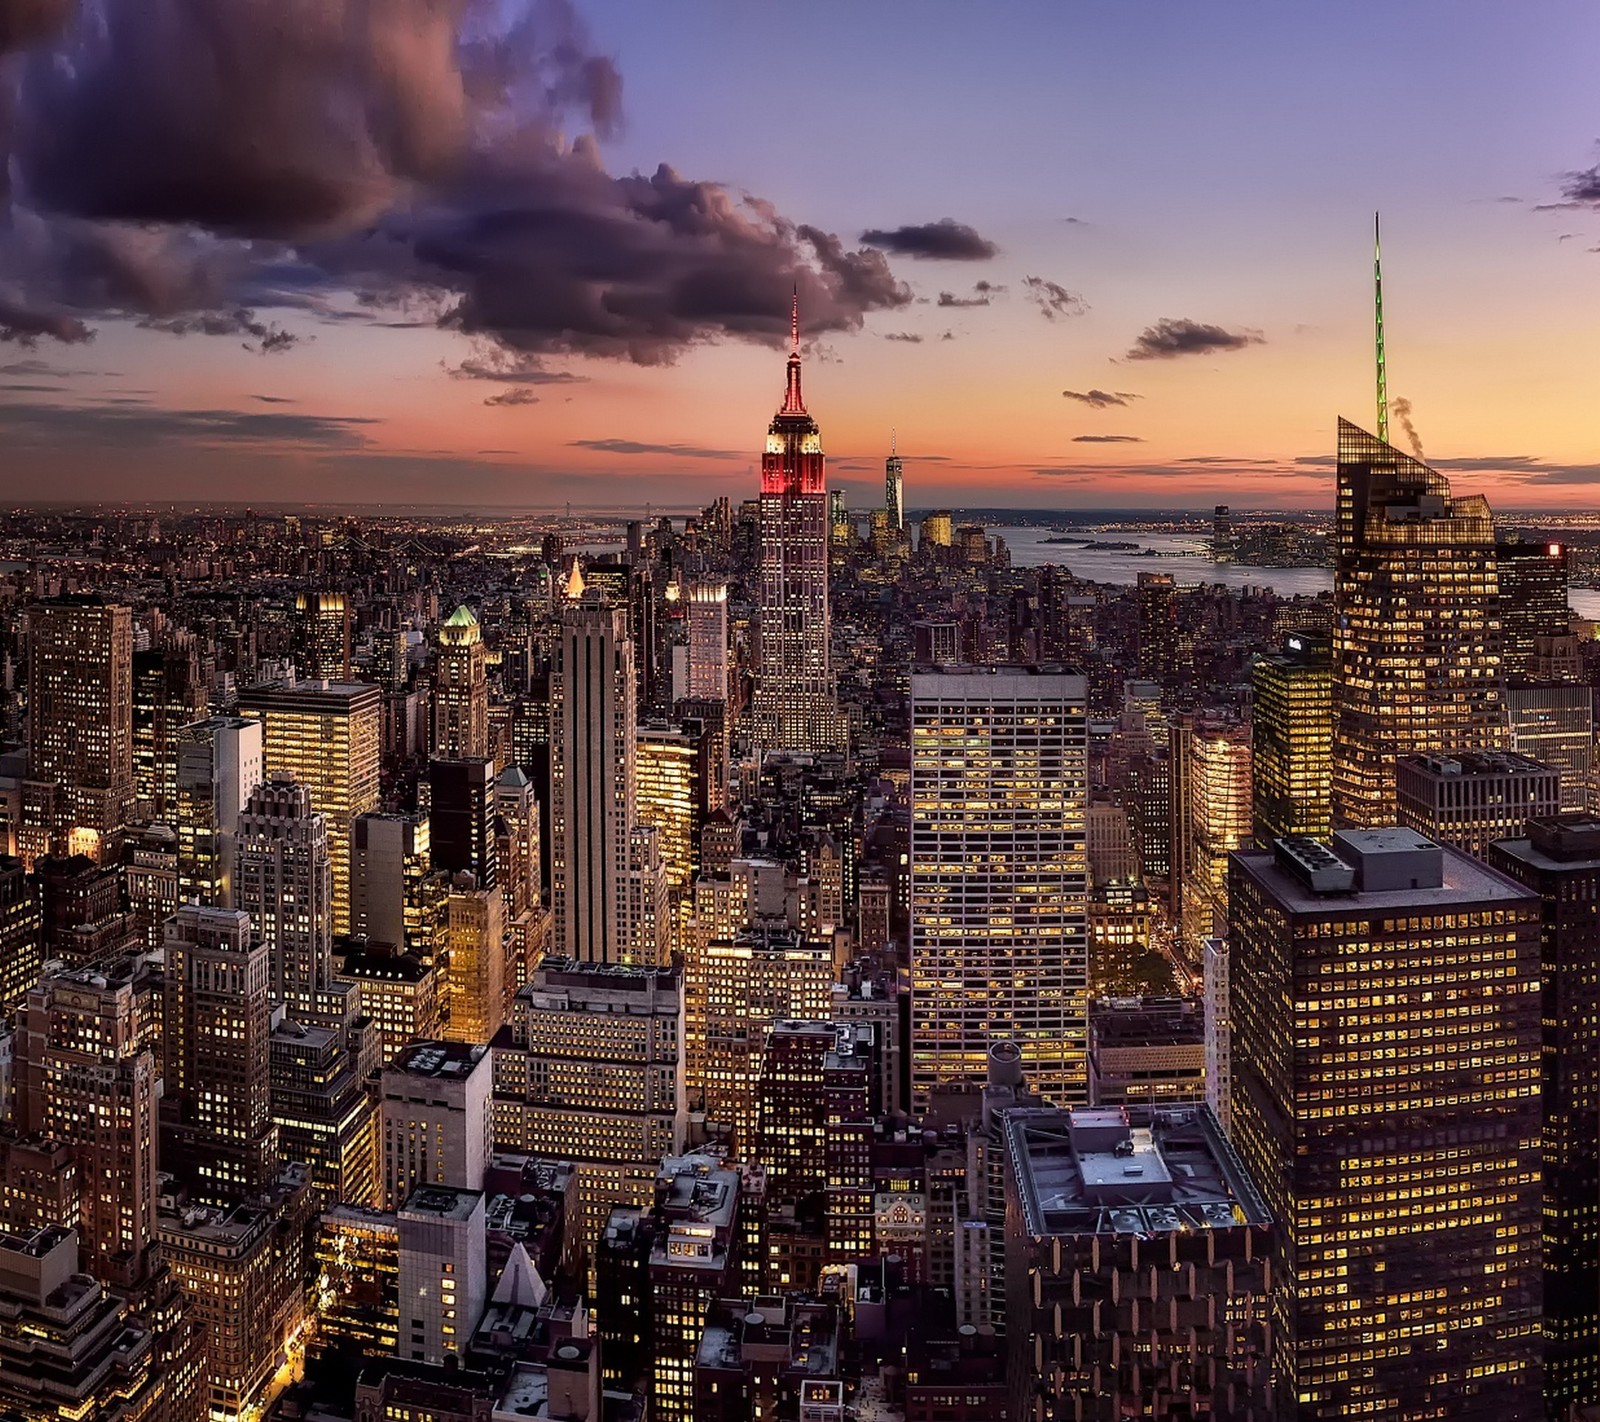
(1416, 638)
(795, 709)
(999, 876)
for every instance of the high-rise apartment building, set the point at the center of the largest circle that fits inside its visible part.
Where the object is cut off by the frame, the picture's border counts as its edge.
(1158, 627)
(795, 707)
(999, 876)
(219, 762)
(326, 734)
(604, 883)
(1472, 798)
(1219, 821)
(284, 880)
(708, 641)
(323, 619)
(1385, 1068)
(80, 716)
(461, 689)
(1533, 601)
(1559, 859)
(590, 1069)
(1416, 643)
(218, 1135)
(1291, 740)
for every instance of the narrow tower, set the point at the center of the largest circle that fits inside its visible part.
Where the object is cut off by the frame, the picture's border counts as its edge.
(894, 486)
(1377, 294)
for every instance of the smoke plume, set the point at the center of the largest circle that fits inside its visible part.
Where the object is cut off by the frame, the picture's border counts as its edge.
(1400, 408)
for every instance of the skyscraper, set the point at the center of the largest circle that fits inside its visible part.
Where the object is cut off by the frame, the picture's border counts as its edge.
(794, 704)
(1158, 627)
(461, 817)
(596, 868)
(324, 627)
(1416, 642)
(894, 489)
(1219, 823)
(80, 715)
(167, 695)
(1533, 601)
(461, 689)
(284, 881)
(999, 876)
(708, 641)
(219, 762)
(1559, 859)
(218, 1134)
(1385, 1081)
(1291, 739)
(326, 734)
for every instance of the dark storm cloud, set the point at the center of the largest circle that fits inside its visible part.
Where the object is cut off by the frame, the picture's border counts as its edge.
(121, 426)
(1170, 338)
(633, 446)
(402, 162)
(1053, 299)
(264, 339)
(1107, 439)
(945, 241)
(1101, 399)
(24, 325)
(517, 395)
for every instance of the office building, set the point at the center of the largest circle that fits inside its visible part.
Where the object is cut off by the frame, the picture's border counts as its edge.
(670, 775)
(1146, 1052)
(219, 762)
(999, 876)
(389, 857)
(80, 716)
(443, 1281)
(794, 709)
(433, 1119)
(894, 491)
(604, 885)
(284, 881)
(708, 642)
(461, 811)
(1416, 643)
(1553, 723)
(1218, 1031)
(1472, 798)
(1221, 534)
(1385, 1078)
(461, 689)
(21, 935)
(81, 901)
(149, 882)
(1533, 601)
(472, 982)
(1100, 1205)
(1291, 740)
(1218, 783)
(590, 1069)
(1559, 859)
(83, 1075)
(217, 1132)
(1158, 627)
(322, 1104)
(167, 695)
(398, 991)
(770, 1356)
(357, 1253)
(325, 734)
(938, 530)
(323, 625)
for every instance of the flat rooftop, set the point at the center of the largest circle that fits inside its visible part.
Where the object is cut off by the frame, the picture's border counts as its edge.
(1459, 763)
(1124, 1170)
(1465, 881)
(443, 1202)
(449, 1061)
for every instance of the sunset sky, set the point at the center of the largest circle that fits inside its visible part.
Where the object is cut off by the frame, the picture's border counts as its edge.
(313, 257)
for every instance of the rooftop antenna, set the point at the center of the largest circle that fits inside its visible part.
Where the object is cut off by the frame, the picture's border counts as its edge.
(893, 441)
(1377, 289)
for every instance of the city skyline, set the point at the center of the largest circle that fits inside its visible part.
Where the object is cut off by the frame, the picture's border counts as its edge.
(1199, 286)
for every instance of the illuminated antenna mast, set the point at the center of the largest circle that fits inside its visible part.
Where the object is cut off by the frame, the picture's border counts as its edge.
(893, 442)
(1383, 369)
(794, 319)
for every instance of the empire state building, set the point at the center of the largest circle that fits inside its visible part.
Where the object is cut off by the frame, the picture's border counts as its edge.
(795, 709)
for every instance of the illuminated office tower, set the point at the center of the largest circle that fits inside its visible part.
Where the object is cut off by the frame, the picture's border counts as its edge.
(1222, 534)
(472, 986)
(398, 991)
(83, 1075)
(284, 881)
(1219, 822)
(517, 842)
(603, 883)
(999, 876)
(841, 527)
(219, 762)
(461, 810)
(1553, 723)
(1416, 642)
(1158, 627)
(794, 703)
(894, 489)
(590, 1069)
(938, 530)
(433, 1109)
(1559, 859)
(218, 1134)
(80, 715)
(324, 628)
(443, 1274)
(1291, 740)
(325, 734)
(167, 695)
(669, 776)
(708, 641)
(389, 856)
(1472, 798)
(751, 982)
(1385, 1071)
(461, 689)
(1533, 601)
(21, 936)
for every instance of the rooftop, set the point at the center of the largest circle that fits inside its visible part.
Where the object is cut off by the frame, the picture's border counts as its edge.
(444, 1202)
(1457, 763)
(448, 1061)
(1462, 880)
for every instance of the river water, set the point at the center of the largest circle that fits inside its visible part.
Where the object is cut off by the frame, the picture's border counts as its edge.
(1185, 558)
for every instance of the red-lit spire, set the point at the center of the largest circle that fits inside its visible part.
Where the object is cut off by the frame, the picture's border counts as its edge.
(793, 403)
